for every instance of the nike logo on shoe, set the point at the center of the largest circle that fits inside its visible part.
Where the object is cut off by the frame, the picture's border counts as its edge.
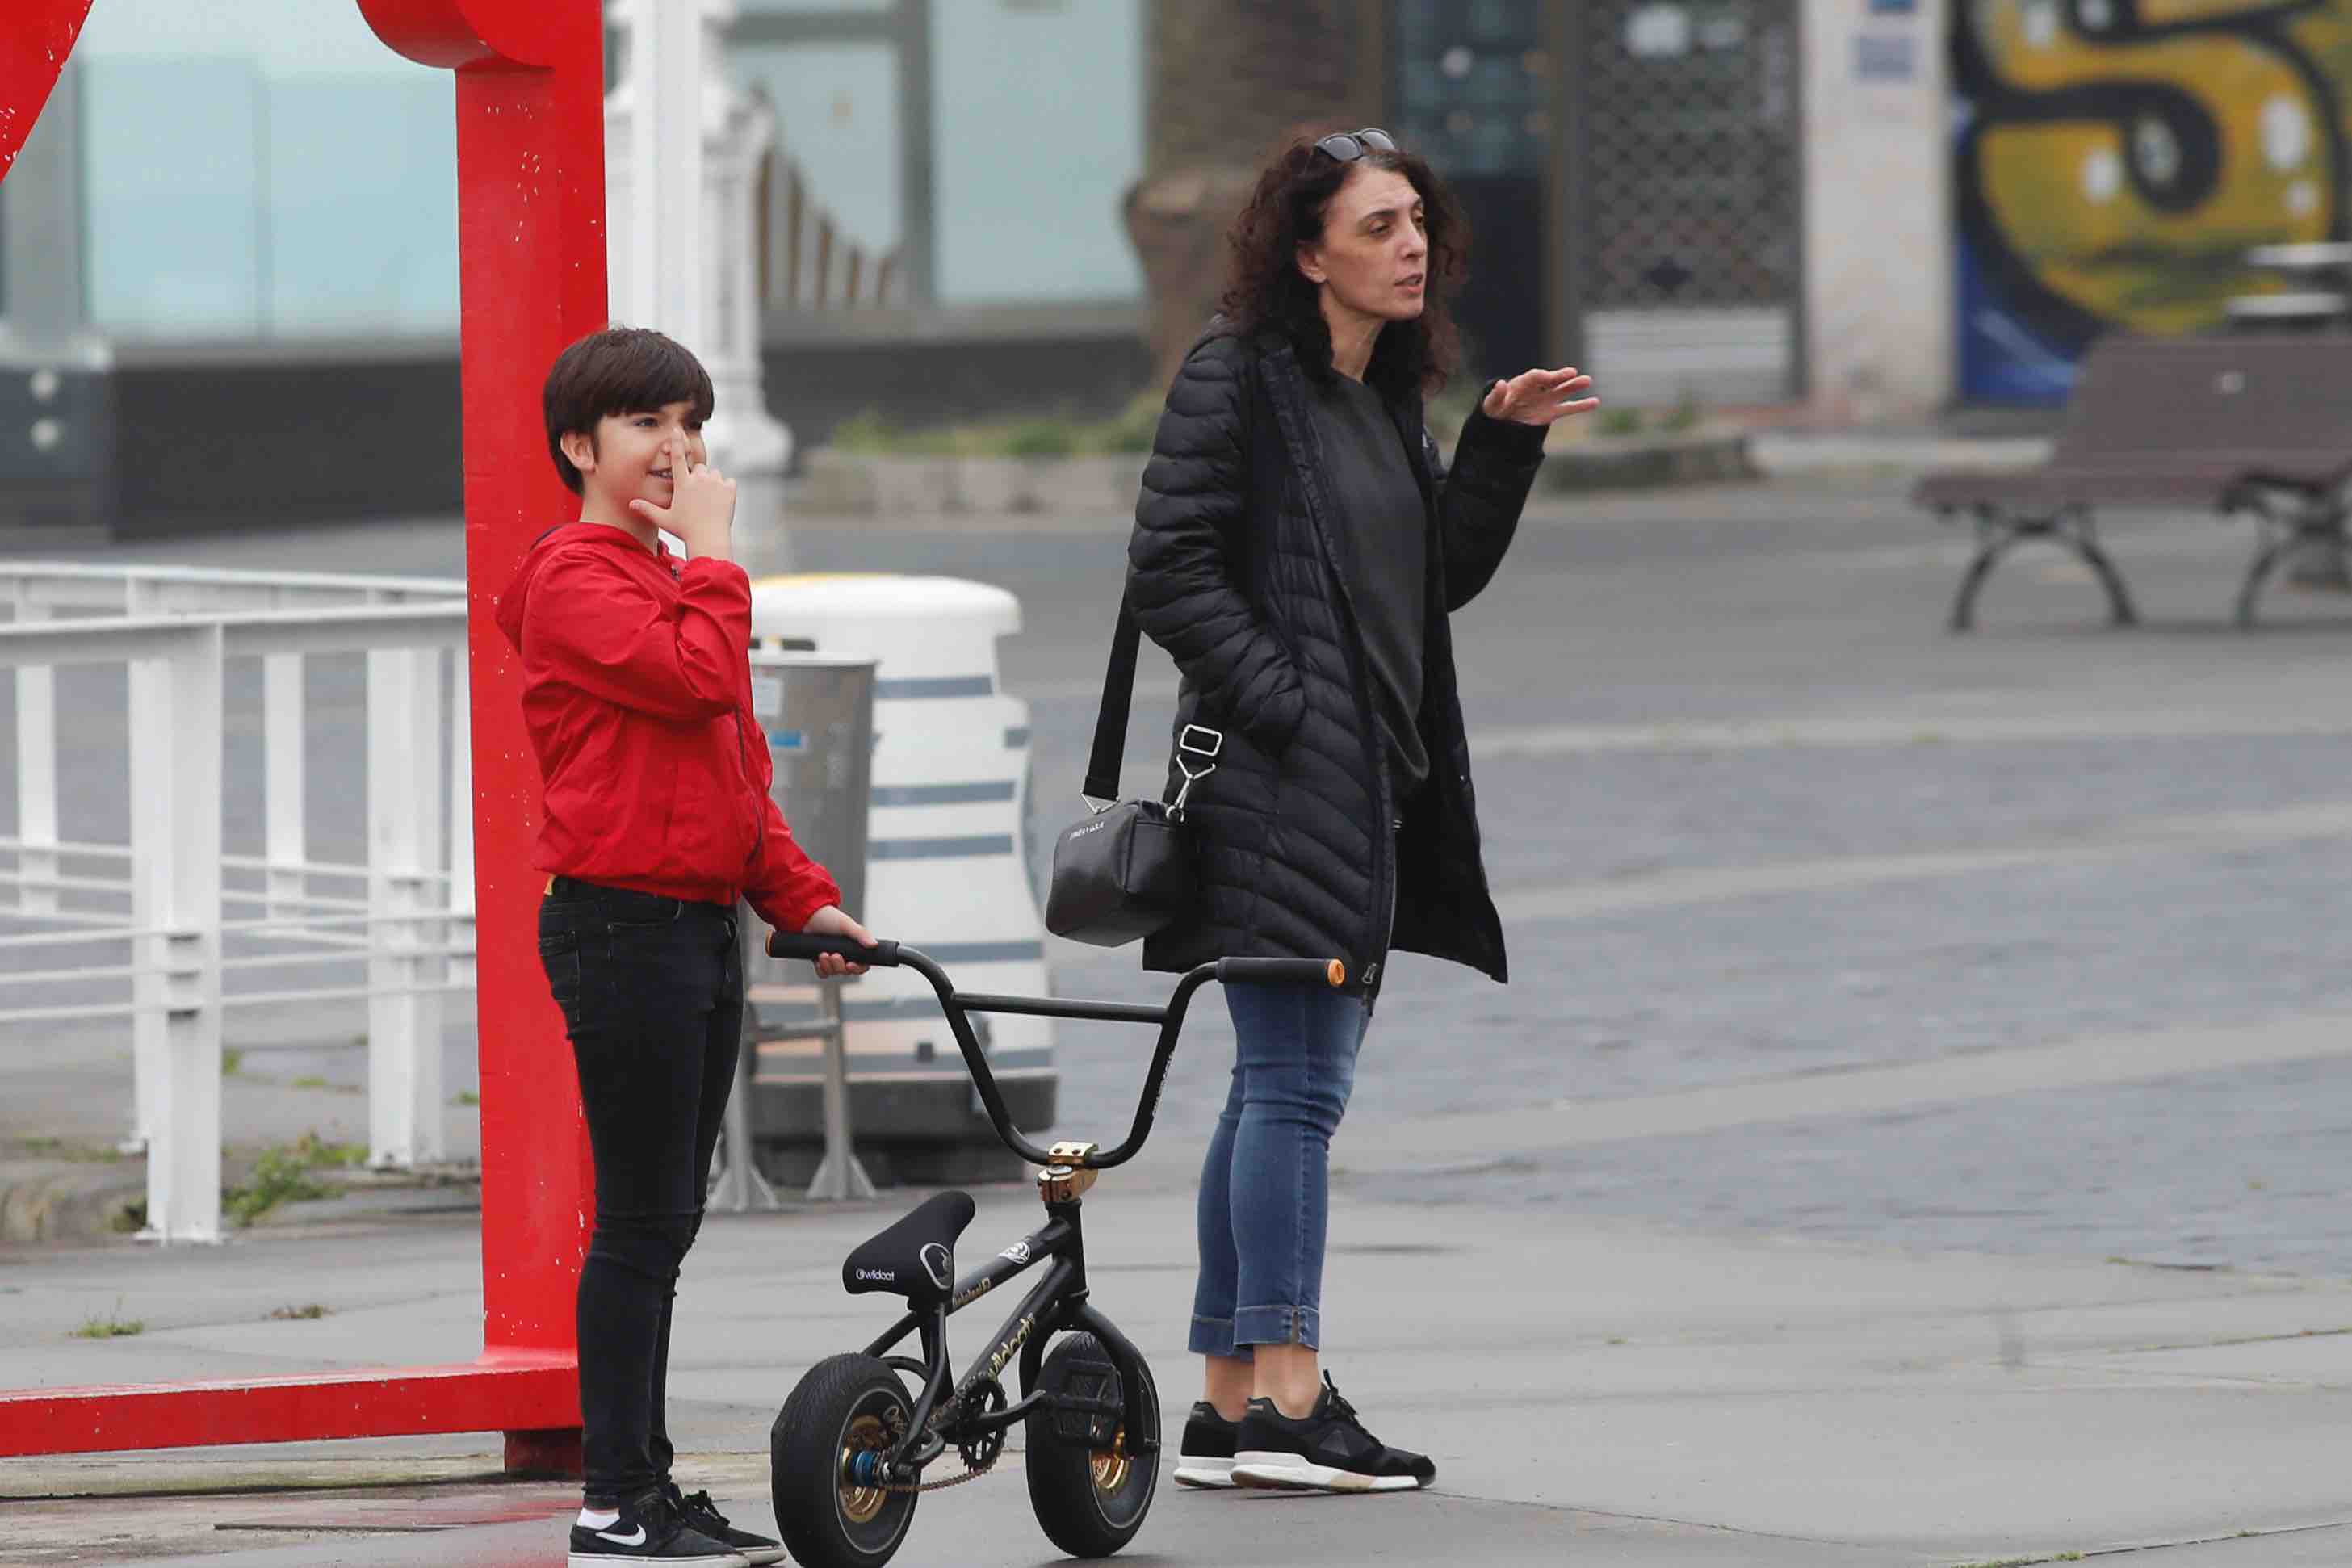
(635, 1537)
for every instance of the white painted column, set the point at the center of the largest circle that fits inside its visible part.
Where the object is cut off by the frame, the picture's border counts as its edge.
(176, 857)
(1877, 209)
(403, 810)
(682, 159)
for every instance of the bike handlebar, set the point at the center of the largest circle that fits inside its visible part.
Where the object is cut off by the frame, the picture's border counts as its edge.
(957, 1005)
(799, 944)
(885, 956)
(1283, 971)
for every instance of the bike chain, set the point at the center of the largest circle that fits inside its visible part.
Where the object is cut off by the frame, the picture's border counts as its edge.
(942, 1485)
(973, 1472)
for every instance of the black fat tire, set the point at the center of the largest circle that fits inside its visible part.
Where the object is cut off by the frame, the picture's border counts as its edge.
(844, 1401)
(1067, 1473)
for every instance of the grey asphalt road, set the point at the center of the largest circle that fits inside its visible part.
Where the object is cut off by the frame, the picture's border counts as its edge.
(1753, 816)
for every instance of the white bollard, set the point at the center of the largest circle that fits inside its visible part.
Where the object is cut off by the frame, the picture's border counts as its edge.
(944, 868)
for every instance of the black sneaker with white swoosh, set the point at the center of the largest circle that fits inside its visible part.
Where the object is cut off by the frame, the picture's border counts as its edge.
(649, 1531)
(702, 1514)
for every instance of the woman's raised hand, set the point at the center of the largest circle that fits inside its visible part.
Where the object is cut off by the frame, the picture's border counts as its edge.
(1540, 397)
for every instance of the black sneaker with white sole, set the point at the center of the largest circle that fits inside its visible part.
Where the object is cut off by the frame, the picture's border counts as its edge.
(1329, 1451)
(1206, 1458)
(700, 1513)
(651, 1531)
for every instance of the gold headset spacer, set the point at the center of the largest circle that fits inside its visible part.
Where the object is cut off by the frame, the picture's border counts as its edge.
(1067, 1178)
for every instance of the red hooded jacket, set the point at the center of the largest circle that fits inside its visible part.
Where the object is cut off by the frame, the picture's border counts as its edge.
(638, 694)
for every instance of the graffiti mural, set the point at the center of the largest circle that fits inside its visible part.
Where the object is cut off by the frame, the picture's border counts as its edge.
(2113, 160)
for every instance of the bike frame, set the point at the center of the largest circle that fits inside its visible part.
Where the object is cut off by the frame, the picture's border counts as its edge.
(1058, 1302)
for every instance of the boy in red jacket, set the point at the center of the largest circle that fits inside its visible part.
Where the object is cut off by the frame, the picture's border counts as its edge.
(657, 819)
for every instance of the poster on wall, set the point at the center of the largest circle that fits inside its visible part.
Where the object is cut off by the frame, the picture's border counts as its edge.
(2113, 162)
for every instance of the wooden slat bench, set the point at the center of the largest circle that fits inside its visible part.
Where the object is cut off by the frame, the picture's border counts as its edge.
(2250, 425)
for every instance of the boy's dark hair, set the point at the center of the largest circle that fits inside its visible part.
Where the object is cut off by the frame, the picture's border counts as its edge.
(621, 370)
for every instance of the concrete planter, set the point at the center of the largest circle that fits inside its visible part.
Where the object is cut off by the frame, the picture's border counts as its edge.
(859, 484)
(1708, 454)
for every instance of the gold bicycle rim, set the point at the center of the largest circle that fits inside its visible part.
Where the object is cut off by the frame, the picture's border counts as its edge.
(859, 1504)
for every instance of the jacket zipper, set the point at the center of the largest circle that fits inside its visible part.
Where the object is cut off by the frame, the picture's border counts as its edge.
(1384, 838)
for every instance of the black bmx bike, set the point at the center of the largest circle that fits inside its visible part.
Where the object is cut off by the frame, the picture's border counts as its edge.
(848, 1453)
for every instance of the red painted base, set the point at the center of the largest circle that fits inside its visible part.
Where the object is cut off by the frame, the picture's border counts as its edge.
(551, 1454)
(534, 1396)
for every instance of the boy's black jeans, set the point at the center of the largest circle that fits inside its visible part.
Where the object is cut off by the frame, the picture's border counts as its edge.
(651, 993)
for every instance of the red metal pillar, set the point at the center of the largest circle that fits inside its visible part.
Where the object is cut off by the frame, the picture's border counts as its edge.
(35, 37)
(530, 244)
(530, 178)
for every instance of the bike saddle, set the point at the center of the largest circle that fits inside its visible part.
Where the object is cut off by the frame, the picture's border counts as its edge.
(916, 1256)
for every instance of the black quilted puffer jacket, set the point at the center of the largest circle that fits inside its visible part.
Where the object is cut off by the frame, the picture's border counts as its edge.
(1235, 569)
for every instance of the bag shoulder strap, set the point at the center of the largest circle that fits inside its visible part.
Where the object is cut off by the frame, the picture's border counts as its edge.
(1117, 697)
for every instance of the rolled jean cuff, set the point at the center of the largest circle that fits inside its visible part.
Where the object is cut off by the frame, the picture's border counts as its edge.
(1215, 1336)
(1278, 1326)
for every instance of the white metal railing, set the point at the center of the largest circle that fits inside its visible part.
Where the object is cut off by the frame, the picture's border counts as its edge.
(406, 912)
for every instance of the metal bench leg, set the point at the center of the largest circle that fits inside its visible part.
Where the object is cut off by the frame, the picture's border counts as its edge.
(1996, 537)
(2267, 557)
(2083, 537)
(2281, 537)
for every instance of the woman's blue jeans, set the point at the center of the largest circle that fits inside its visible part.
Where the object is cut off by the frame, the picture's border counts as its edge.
(1266, 1187)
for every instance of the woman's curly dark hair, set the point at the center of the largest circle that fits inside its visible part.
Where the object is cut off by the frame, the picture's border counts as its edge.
(1263, 287)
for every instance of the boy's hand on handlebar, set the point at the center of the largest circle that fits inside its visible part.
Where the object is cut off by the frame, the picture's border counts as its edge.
(830, 921)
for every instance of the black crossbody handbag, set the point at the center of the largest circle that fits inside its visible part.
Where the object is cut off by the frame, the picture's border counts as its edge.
(1125, 871)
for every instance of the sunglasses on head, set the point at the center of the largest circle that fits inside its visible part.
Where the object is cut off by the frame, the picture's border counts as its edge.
(1347, 146)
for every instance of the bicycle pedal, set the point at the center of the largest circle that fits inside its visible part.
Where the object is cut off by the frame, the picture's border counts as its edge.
(1092, 1409)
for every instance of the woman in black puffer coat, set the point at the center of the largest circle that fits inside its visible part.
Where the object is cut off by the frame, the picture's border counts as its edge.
(1297, 548)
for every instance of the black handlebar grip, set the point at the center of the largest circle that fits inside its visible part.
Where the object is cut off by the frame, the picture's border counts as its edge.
(1284, 970)
(800, 944)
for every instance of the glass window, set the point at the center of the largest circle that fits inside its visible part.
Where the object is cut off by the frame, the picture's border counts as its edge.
(264, 170)
(836, 109)
(172, 155)
(1037, 132)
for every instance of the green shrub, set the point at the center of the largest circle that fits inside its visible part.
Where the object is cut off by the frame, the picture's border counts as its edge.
(1040, 438)
(1130, 430)
(282, 1175)
(111, 1327)
(1619, 421)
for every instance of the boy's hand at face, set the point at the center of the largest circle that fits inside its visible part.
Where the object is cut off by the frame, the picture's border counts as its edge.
(830, 921)
(701, 510)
